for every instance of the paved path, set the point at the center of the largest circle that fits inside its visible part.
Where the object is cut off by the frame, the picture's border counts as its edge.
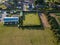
(44, 20)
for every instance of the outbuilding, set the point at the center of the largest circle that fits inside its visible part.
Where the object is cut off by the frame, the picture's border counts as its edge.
(11, 20)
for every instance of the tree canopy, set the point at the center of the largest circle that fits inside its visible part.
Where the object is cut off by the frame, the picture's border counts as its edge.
(39, 1)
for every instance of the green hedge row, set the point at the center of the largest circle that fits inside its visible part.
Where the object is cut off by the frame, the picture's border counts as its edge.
(55, 27)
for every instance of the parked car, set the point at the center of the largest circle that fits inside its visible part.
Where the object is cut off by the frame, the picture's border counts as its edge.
(13, 11)
(58, 6)
(18, 7)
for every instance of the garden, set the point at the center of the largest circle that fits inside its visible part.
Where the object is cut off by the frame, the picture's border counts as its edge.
(31, 19)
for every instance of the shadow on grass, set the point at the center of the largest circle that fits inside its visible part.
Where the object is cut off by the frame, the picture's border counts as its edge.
(32, 27)
(11, 25)
(27, 27)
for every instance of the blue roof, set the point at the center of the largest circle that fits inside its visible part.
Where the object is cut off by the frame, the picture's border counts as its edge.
(11, 19)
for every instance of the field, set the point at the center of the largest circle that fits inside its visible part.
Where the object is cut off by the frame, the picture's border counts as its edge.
(15, 36)
(31, 19)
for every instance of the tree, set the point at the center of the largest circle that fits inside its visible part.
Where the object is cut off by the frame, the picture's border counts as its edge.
(15, 2)
(39, 1)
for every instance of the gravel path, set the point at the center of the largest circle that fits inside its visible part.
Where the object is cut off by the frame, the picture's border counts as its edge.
(44, 20)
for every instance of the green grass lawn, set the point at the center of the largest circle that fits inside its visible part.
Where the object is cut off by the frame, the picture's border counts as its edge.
(57, 14)
(31, 19)
(15, 36)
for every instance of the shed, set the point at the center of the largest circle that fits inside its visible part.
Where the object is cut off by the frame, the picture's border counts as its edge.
(11, 20)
